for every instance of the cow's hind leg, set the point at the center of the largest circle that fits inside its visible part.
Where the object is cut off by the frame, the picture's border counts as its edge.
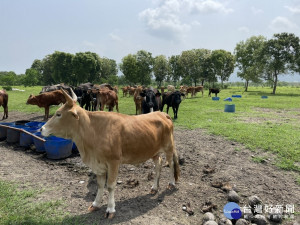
(172, 159)
(111, 185)
(101, 180)
(158, 164)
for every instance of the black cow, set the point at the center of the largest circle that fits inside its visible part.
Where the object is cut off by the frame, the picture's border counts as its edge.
(86, 99)
(150, 102)
(57, 87)
(172, 99)
(214, 90)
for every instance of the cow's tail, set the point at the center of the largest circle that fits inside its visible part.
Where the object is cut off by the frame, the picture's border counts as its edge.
(176, 166)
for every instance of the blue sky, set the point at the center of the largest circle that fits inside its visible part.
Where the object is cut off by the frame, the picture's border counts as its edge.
(32, 29)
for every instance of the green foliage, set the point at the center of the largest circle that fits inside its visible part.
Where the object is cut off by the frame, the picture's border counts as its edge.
(32, 78)
(8, 78)
(7, 88)
(160, 69)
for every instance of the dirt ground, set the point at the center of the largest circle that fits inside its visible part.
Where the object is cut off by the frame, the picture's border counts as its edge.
(71, 181)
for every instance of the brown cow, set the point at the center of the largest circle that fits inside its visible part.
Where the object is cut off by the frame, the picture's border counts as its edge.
(47, 99)
(107, 98)
(3, 102)
(190, 90)
(106, 140)
(138, 99)
(199, 89)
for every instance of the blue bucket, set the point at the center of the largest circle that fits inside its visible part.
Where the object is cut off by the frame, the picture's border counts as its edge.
(228, 99)
(264, 96)
(236, 96)
(13, 136)
(35, 124)
(58, 148)
(215, 98)
(3, 130)
(229, 108)
(39, 145)
(25, 139)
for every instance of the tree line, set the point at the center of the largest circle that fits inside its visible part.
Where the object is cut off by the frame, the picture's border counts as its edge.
(255, 59)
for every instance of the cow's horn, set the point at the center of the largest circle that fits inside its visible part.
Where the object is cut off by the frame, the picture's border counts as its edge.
(74, 96)
(69, 100)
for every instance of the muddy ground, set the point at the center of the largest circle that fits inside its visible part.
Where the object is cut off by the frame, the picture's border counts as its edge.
(71, 181)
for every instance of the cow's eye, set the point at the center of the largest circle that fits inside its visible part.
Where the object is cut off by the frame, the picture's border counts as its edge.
(58, 114)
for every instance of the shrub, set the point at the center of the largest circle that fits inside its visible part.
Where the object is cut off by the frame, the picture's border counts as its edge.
(7, 88)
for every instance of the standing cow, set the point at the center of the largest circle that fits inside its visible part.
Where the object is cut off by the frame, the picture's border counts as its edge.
(150, 102)
(214, 90)
(46, 99)
(172, 99)
(3, 102)
(106, 140)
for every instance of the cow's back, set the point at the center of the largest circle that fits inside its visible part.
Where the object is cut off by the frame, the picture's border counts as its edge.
(51, 98)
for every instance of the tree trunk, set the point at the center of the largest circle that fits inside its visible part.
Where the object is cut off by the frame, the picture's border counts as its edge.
(202, 83)
(246, 85)
(195, 83)
(275, 83)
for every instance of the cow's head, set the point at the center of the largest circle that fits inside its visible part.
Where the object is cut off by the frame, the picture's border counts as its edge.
(64, 123)
(177, 97)
(32, 100)
(149, 97)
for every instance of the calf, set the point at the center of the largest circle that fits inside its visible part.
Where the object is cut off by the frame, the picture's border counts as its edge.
(46, 99)
(107, 98)
(3, 103)
(107, 140)
(199, 89)
(214, 90)
(138, 99)
(172, 99)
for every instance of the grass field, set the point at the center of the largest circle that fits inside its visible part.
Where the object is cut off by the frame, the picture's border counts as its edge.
(271, 124)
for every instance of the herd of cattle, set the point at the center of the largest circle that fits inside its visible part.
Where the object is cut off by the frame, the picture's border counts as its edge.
(93, 97)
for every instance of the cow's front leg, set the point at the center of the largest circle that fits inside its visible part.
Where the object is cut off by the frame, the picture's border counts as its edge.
(101, 179)
(111, 185)
(46, 113)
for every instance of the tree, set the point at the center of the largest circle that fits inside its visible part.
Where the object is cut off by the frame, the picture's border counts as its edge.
(129, 68)
(47, 70)
(223, 64)
(62, 67)
(281, 54)
(248, 58)
(108, 71)
(175, 69)
(8, 78)
(31, 78)
(160, 69)
(192, 63)
(144, 62)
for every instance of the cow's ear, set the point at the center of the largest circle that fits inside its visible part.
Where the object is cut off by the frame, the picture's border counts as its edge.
(74, 113)
(142, 94)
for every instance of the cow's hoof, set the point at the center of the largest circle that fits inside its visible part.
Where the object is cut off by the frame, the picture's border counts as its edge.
(171, 187)
(109, 215)
(93, 208)
(153, 192)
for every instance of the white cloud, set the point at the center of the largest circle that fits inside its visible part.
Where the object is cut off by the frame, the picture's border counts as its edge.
(244, 29)
(282, 24)
(89, 44)
(208, 7)
(166, 20)
(256, 10)
(295, 9)
(115, 37)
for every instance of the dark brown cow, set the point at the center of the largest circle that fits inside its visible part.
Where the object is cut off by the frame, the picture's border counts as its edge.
(3, 102)
(46, 99)
(199, 89)
(107, 98)
(138, 99)
(214, 90)
(106, 140)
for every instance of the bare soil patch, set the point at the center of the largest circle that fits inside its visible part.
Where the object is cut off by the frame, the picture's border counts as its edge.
(71, 181)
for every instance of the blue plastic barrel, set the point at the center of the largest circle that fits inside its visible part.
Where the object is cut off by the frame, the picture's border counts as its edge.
(229, 108)
(58, 148)
(215, 98)
(236, 96)
(228, 99)
(264, 96)
(13, 136)
(25, 139)
(35, 124)
(39, 145)
(3, 130)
